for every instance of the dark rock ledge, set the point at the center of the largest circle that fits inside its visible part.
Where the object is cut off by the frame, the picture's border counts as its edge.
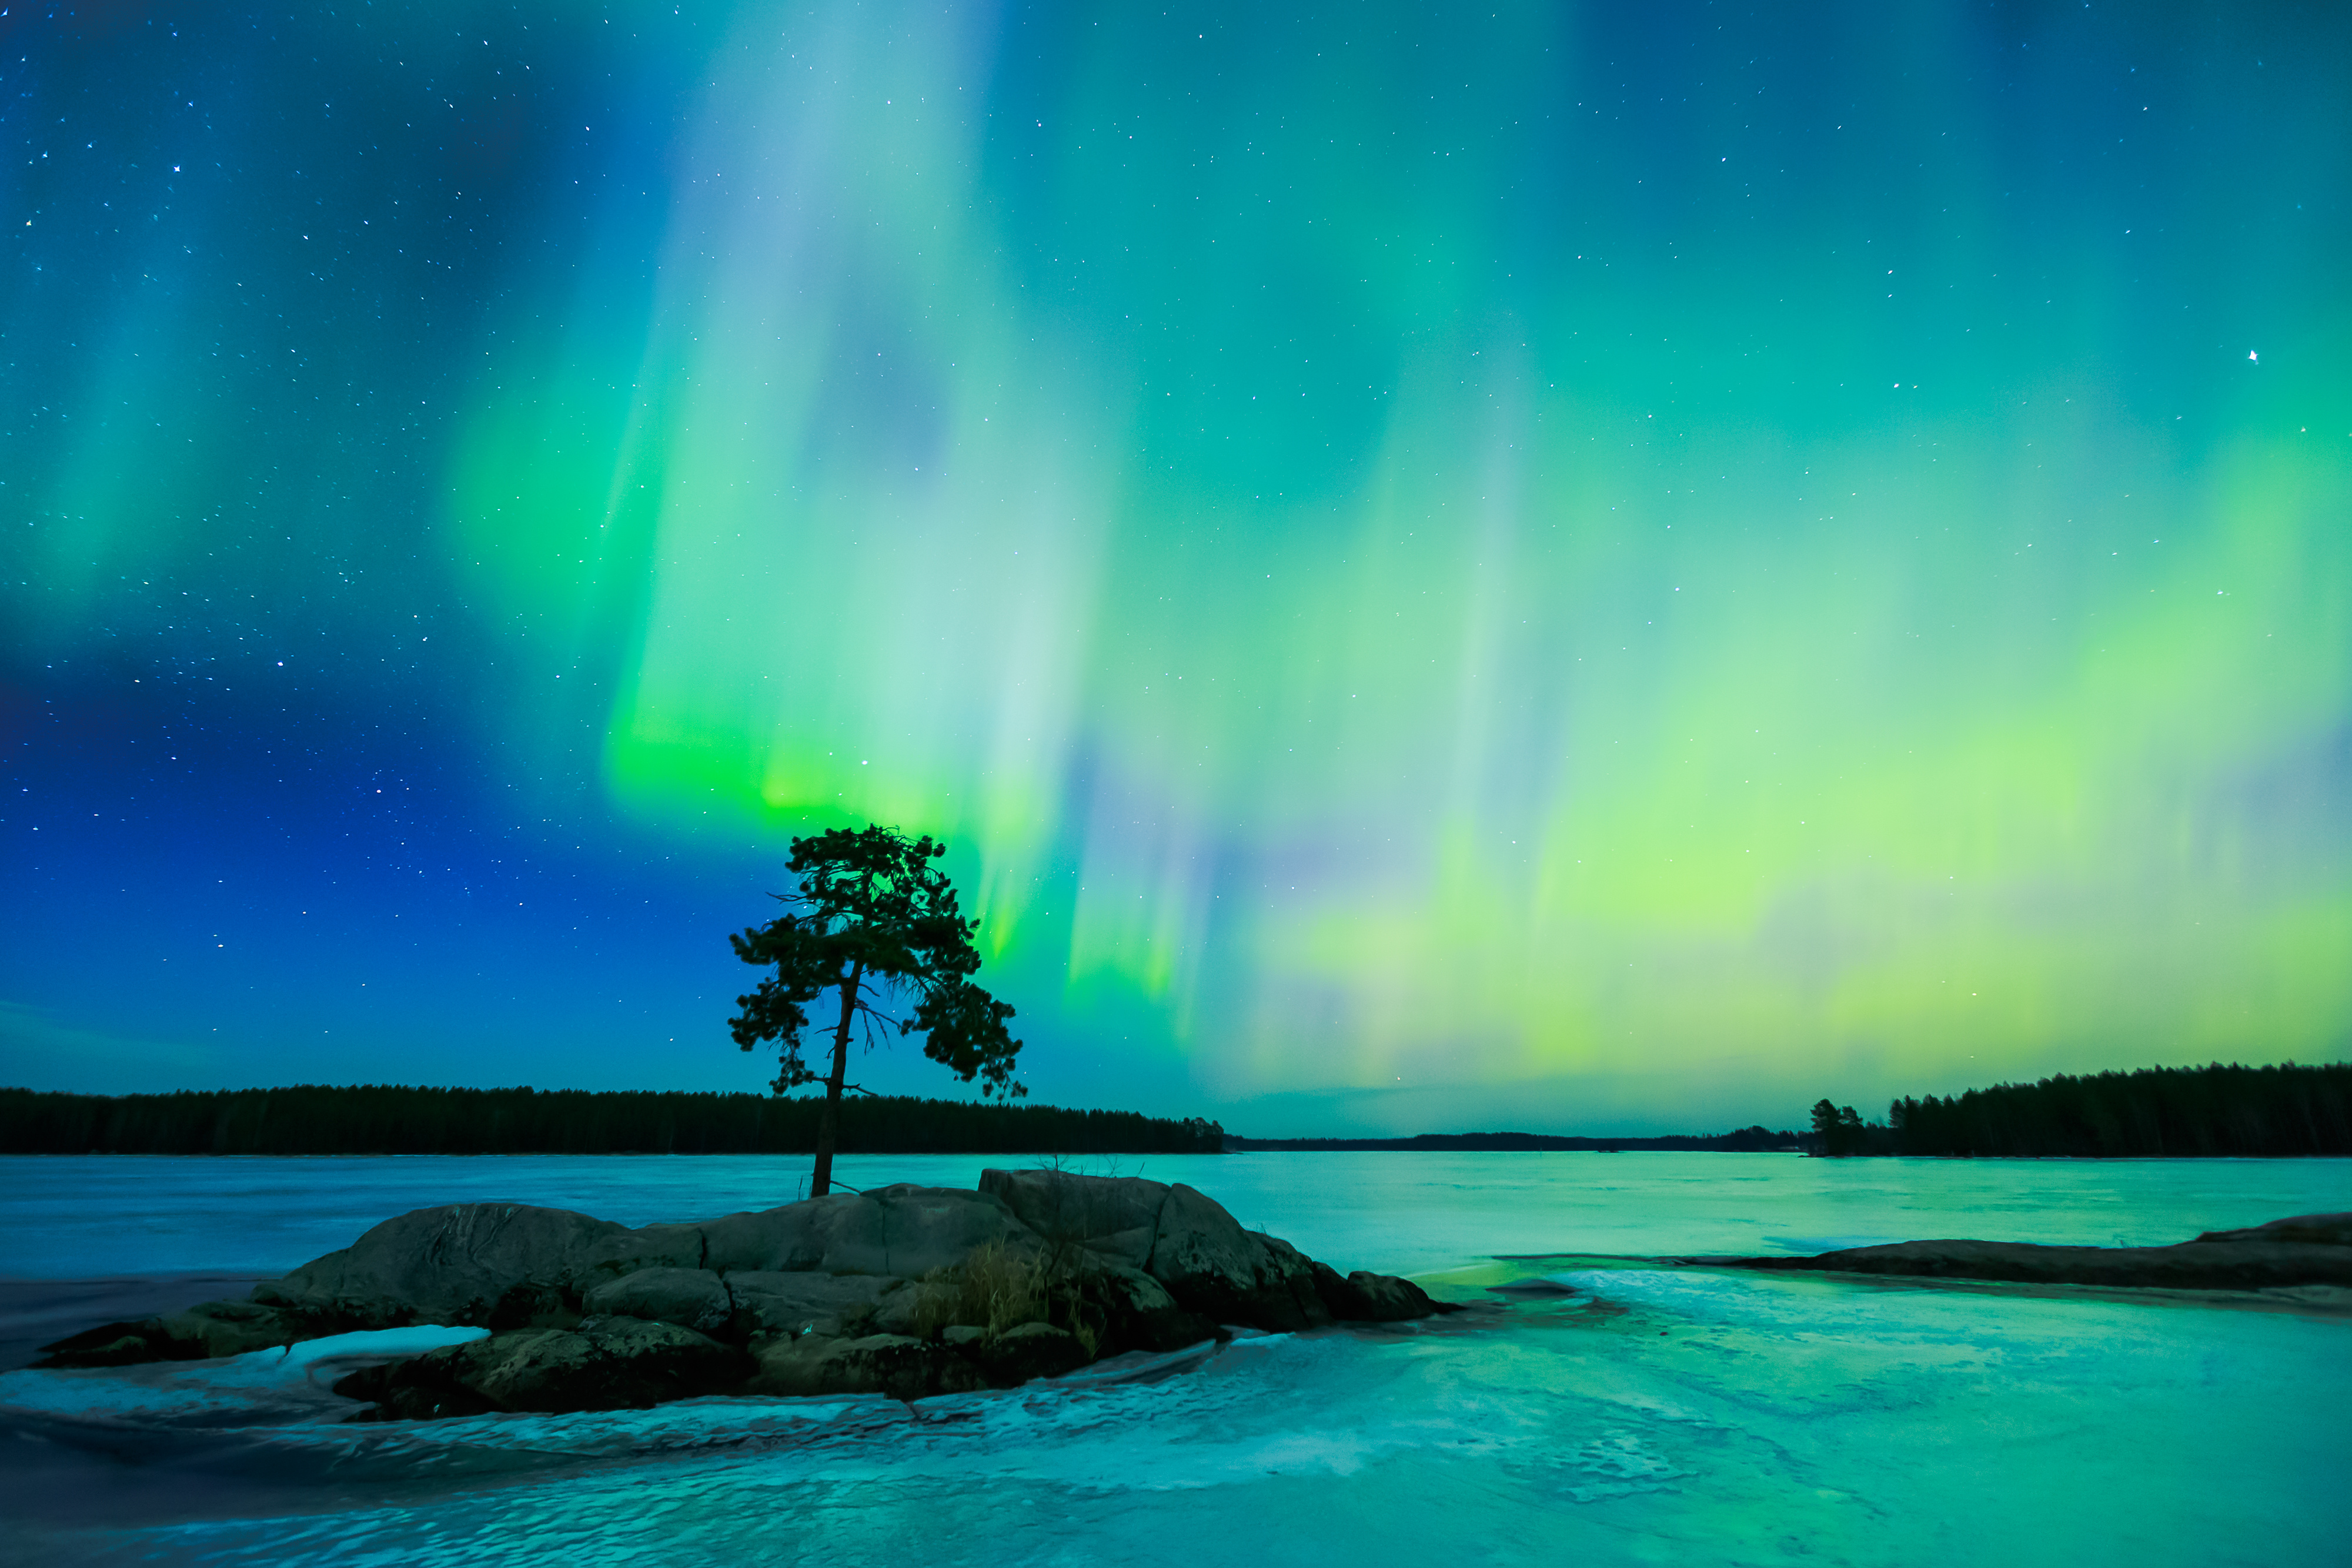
(2309, 1249)
(906, 1291)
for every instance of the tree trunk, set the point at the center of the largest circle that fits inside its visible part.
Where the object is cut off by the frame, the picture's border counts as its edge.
(828, 1125)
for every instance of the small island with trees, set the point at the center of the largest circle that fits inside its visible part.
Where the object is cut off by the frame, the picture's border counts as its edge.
(2278, 1112)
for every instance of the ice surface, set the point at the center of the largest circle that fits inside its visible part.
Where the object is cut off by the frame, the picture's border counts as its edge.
(1750, 1420)
(371, 1347)
(283, 1382)
(1614, 1415)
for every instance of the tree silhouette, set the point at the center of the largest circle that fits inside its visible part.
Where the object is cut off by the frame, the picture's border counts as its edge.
(1839, 1130)
(875, 921)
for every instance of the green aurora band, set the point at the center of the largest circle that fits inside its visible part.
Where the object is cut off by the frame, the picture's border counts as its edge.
(1500, 557)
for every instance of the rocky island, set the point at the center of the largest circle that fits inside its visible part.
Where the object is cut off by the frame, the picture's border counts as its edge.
(904, 1291)
(2307, 1249)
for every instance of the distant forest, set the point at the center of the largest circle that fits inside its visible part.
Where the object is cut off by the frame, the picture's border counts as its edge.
(2216, 1110)
(312, 1119)
(2158, 1111)
(1746, 1140)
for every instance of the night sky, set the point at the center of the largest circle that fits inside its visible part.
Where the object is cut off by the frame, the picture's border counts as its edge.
(1584, 568)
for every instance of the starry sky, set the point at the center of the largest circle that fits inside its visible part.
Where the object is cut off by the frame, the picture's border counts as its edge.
(1582, 567)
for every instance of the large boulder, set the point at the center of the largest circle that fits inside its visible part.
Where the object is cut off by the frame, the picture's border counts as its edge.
(696, 1298)
(1211, 1270)
(606, 1364)
(1289, 1274)
(788, 1239)
(456, 1264)
(904, 1231)
(1365, 1297)
(833, 1306)
(1114, 1217)
(1135, 1312)
(1213, 1266)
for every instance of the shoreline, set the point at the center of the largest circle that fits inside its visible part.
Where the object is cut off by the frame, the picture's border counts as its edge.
(35, 1312)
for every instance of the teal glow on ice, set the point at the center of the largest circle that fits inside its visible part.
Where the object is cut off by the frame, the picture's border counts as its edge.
(1640, 1415)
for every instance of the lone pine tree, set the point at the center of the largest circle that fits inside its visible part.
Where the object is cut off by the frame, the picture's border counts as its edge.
(875, 922)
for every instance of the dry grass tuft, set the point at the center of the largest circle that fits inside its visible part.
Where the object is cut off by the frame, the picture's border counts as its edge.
(995, 1288)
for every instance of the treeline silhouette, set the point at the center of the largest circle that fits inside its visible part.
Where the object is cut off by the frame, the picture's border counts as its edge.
(2243, 1111)
(386, 1119)
(1746, 1140)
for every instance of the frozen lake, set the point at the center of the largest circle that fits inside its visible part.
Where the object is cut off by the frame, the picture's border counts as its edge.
(78, 1217)
(1667, 1416)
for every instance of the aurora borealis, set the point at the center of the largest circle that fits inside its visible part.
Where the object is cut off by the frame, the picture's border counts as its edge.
(1585, 568)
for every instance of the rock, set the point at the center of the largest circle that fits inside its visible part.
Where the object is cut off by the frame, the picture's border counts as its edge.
(1202, 1256)
(456, 1264)
(1218, 1270)
(788, 1239)
(1214, 1268)
(38, 1315)
(210, 1329)
(906, 1291)
(1288, 1273)
(1365, 1297)
(627, 1251)
(903, 1230)
(606, 1364)
(895, 1364)
(835, 1306)
(1113, 1217)
(919, 1310)
(233, 1328)
(2251, 1259)
(534, 1304)
(963, 1357)
(1137, 1313)
(691, 1297)
(801, 1365)
(1027, 1351)
(2309, 1229)
(117, 1344)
